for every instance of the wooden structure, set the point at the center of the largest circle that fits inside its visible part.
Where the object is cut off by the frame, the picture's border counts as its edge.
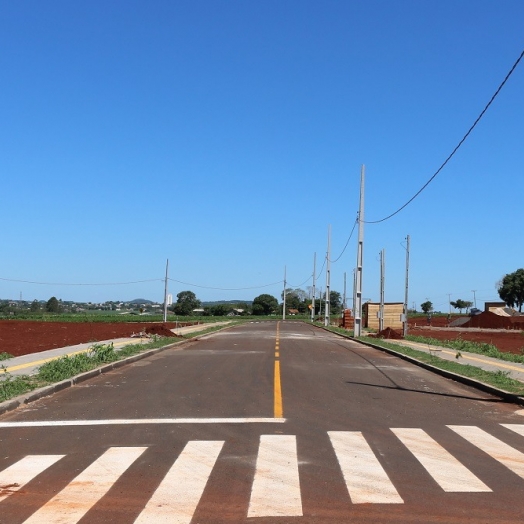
(392, 314)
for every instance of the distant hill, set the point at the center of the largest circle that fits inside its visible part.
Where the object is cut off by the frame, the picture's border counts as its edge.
(140, 301)
(232, 302)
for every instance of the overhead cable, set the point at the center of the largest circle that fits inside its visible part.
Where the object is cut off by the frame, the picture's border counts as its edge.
(454, 150)
(350, 235)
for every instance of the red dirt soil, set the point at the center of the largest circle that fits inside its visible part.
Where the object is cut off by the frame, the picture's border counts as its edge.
(510, 340)
(22, 337)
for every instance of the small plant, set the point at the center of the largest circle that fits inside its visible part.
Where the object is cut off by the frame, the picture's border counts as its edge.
(102, 352)
(12, 386)
(5, 356)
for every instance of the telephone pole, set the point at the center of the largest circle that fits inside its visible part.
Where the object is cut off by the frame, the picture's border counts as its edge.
(328, 279)
(382, 280)
(284, 302)
(405, 319)
(358, 292)
(314, 290)
(165, 292)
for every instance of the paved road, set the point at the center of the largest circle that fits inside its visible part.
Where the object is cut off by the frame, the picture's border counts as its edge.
(265, 422)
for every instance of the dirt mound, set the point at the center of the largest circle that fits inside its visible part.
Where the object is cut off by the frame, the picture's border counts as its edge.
(161, 330)
(389, 333)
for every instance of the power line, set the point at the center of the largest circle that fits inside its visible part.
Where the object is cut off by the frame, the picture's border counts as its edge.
(454, 150)
(350, 235)
(300, 285)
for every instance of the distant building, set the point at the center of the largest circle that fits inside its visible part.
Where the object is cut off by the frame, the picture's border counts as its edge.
(392, 315)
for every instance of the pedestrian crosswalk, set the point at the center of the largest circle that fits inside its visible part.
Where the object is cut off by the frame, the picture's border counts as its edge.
(275, 479)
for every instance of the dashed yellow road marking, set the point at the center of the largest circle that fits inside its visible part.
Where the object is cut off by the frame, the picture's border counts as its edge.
(278, 409)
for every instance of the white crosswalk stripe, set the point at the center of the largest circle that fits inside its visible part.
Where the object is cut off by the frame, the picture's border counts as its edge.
(276, 482)
(16, 476)
(276, 486)
(178, 495)
(517, 428)
(75, 500)
(505, 454)
(445, 469)
(366, 480)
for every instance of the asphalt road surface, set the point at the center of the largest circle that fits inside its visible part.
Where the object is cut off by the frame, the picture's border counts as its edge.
(272, 422)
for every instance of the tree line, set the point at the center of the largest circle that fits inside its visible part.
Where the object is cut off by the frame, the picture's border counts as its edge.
(297, 302)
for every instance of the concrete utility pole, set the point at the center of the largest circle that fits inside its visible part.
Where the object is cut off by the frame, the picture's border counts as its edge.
(382, 281)
(358, 293)
(474, 298)
(405, 319)
(328, 279)
(344, 296)
(165, 292)
(314, 290)
(320, 298)
(284, 303)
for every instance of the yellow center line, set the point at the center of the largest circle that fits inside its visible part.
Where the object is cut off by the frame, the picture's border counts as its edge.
(278, 410)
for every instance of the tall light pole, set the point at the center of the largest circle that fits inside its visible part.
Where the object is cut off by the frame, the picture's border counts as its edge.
(474, 298)
(328, 279)
(382, 282)
(314, 291)
(358, 294)
(284, 302)
(165, 293)
(405, 319)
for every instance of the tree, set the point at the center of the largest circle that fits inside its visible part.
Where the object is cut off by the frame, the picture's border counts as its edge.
(511, 289)
(186, 302)
(461, 304)
(52, 305)
(35, 306)
(426, 306)
(335, 302)
(264, 304)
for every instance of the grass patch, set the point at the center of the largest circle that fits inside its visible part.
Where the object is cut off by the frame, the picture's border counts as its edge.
(5, 356)
(498, 379)
(480, 348)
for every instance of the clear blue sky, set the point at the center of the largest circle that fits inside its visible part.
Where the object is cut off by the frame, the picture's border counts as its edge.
(226, 136)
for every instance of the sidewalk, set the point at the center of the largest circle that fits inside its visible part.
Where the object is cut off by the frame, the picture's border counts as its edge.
(514, 369)
(28, 364)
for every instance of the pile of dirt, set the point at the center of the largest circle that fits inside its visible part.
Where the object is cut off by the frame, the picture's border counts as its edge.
(389, 333)
(161, 330)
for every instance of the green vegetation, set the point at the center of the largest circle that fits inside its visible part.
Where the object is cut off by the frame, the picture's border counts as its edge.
(472, 347)
(511, 289)
(5, 356)
(461, 304)
(427, 306)
(498, 379)
(265, 305)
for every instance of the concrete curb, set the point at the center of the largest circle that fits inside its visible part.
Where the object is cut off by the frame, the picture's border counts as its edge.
(487, 388)
(45, 391)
